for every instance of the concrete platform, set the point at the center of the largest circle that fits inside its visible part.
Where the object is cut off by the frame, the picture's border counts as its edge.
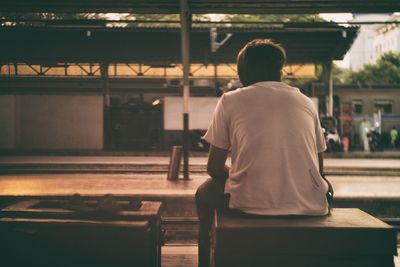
(162, 160)
(158, 185)
(159, 164)
(387, 154)
(377, 195)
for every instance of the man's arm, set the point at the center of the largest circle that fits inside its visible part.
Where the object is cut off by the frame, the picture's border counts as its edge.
(321, 163)
(216, 167)
(330, 193)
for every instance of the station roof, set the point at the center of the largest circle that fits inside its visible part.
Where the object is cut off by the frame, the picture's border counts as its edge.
(303, 43)
(203, 6)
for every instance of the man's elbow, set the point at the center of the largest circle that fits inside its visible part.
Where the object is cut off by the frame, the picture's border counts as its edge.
(217, 173)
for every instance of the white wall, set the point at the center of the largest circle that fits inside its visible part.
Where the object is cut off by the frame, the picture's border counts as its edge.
(387, 38)
(200, 112)
(54, 121)
(363, 51)
(7, 121)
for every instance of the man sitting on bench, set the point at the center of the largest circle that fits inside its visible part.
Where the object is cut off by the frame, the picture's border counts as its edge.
(276, 143)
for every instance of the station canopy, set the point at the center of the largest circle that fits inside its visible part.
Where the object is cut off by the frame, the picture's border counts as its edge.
(304, 43)
(203, 6)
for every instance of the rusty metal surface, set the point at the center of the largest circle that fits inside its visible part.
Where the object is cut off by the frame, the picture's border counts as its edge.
(205, 6)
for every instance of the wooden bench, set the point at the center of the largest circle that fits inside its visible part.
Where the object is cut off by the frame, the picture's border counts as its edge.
(346, 237)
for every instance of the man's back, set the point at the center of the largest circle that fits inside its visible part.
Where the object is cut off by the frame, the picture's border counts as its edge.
(274, 136)
(275, 139)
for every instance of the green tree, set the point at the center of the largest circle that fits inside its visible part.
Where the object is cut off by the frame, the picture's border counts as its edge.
(339, 75)
(386, 70)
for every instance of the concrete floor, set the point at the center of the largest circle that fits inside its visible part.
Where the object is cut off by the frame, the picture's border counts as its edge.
(179, 256)
(186, 256)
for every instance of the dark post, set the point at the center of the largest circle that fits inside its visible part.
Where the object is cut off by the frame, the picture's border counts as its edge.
(106, 104)
(185, 17)
(104, 79)
(216, 84)
(327, 67)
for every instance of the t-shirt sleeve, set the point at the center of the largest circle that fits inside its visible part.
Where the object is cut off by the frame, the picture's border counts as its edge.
(320, 137)
(218, 131)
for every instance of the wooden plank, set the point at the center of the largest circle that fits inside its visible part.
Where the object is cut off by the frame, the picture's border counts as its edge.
(27, 209)
(40, 222)
(339, 218)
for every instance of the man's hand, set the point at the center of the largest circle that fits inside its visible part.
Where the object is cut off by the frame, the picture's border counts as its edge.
(216, 167)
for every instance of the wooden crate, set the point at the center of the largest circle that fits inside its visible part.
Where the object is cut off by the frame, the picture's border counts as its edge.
(43, 234)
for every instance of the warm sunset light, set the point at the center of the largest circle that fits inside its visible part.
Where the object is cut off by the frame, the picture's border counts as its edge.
(165, 133)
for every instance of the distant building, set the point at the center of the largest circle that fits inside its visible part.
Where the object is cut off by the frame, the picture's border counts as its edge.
(363, 51)
(387, 37)
(353, 104)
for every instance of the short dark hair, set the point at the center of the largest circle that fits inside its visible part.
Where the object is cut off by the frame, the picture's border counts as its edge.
(260, 60)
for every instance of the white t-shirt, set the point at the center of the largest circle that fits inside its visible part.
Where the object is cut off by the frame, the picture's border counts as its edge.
(274, 135)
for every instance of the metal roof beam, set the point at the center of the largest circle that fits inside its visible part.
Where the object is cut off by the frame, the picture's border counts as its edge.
(203, 6)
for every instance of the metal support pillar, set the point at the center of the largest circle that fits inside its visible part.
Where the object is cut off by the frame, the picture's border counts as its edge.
(329, 83)
(216, 84)
(185, 18)
(106, 104)
(16, 69)
(106, 88)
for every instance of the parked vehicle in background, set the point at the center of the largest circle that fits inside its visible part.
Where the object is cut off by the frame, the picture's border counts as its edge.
(374, 140)
(333, 141)
(332, 137)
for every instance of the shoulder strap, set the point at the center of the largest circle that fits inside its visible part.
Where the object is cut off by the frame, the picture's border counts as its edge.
(330, 193)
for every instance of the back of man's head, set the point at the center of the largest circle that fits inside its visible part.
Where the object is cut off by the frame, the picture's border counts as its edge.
(260, 60)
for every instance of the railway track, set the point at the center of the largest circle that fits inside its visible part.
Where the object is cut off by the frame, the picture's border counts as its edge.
(143, 168)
